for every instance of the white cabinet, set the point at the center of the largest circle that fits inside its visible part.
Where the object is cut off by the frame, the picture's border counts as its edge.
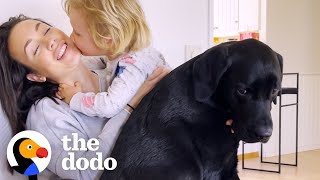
(225, 16)
(249, 15)
(229, 17)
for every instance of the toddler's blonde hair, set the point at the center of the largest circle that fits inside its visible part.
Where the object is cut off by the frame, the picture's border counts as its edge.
(122, 20)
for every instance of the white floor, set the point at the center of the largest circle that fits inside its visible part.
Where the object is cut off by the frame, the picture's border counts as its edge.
(308, 168)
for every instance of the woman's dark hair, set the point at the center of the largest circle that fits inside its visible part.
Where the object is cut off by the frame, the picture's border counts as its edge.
(17, 93)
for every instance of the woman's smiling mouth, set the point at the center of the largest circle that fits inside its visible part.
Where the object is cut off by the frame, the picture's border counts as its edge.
(62, 51)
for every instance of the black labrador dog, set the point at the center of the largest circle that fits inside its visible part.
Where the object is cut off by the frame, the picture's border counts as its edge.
(179, 132)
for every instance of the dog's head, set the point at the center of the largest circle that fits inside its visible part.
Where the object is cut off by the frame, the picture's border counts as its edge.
(244, 78)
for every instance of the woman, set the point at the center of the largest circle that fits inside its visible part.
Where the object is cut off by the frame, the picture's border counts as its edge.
(35, 57)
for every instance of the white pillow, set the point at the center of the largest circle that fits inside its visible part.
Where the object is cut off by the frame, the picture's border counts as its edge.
(6, 134)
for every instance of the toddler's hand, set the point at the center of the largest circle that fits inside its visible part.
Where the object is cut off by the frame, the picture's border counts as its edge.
(66, 92)
(229, 123)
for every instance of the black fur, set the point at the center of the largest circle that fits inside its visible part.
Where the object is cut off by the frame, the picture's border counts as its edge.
(178, 131)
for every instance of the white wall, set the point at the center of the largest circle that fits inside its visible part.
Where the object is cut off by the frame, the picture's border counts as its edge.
(176, 23)
(48, 10)
(292, 29)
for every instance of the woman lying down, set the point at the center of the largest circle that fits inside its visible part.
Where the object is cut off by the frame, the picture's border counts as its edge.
(29, 77)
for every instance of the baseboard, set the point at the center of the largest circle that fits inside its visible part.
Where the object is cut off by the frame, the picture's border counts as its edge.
(300, 149)
(249, 155)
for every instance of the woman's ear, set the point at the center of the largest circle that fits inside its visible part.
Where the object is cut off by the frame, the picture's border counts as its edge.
(36, 77)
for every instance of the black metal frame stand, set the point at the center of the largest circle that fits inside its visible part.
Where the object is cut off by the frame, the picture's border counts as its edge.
(294, 90)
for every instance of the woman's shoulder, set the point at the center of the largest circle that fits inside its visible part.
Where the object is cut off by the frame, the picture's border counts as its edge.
(53, 119)
(46, 111)
(49, 104)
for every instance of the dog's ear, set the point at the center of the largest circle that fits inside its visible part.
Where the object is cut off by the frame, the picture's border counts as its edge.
(208, 70)
(280, 60)
(275, 100)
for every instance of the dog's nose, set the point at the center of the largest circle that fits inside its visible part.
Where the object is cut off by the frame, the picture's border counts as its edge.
(264, 132)
(265, 139)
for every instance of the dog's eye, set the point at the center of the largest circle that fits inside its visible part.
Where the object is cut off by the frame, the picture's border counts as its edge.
(242, 91)
(275, 92)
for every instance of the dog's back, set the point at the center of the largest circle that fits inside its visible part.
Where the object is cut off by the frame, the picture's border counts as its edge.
(157, 141)
(178, 131)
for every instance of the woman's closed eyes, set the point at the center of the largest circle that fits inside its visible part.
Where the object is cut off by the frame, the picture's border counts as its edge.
(37, 49)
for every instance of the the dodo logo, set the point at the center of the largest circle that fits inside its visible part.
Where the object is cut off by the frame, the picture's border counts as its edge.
(29, 153)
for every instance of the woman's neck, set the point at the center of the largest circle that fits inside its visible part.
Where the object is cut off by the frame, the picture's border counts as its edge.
(89, 81)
